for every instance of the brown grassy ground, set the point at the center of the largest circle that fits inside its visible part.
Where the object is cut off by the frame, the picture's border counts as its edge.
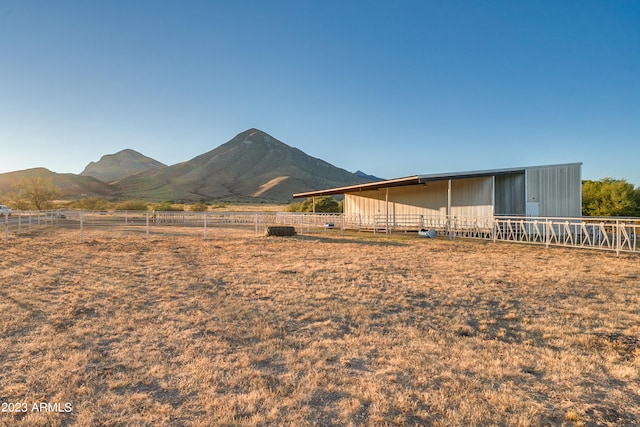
(324, 330)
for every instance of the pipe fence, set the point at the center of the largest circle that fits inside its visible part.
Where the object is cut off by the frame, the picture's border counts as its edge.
(606, 233)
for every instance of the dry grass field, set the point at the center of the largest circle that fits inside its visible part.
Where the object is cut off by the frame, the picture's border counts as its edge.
(314, 330)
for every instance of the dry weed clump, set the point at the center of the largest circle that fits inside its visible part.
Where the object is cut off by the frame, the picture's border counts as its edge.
(314, 330)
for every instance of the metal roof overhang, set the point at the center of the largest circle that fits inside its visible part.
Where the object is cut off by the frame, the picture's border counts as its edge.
(409, 180)
(420, 179)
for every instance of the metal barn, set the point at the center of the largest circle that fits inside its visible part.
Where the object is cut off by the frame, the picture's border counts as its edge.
(538, 191)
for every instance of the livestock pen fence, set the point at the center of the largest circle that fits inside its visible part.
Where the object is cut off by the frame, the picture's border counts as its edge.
(167, 222)
(612, 234)
(604, 233)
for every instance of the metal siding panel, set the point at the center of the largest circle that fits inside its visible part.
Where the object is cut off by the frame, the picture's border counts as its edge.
(557, 189)
(472, 197)
(510, 195)
(427, 200)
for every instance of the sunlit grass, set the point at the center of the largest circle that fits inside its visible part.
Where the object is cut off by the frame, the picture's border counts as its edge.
(316, 330)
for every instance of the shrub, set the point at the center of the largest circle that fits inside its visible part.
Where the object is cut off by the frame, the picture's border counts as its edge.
(199, 207)
(91, 204)
(132, 205)
(167, 206)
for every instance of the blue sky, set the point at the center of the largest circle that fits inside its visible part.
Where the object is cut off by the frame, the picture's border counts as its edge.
(393, 88)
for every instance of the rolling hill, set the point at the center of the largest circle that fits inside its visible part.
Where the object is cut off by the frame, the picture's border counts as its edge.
(251, 167)
(71, 186)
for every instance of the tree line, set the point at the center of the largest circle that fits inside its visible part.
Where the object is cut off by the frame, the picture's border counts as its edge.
(605, 197)
(610, 197)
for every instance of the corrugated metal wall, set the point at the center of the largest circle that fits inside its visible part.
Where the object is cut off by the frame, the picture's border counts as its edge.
(472, 197)
(469, 197)
(556, 189)
(429, 199)
(510, 194)
(553, 190)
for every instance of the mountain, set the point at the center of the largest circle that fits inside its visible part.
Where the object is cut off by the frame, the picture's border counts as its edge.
(251, 166)
(122, 164)
(367, 177)
(70, 185)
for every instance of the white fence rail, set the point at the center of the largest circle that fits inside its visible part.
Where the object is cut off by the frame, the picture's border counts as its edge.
(22, 221)
(612, 234)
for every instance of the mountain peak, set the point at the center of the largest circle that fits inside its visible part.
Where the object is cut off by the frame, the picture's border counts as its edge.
(253, 135)
(112, 167)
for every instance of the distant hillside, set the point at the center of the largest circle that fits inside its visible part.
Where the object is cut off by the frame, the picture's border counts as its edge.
(71, 186)
(367, 177)
(122, 164)
(253, 165)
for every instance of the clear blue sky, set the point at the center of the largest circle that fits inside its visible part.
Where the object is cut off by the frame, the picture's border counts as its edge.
(393, 88)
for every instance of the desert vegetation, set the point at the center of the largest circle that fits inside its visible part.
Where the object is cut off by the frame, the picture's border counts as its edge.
(327, 329)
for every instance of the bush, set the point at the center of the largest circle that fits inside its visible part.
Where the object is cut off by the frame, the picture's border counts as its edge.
(91, 204)
(132, 205)
(199, 207)
(323, 204)
(167, 206)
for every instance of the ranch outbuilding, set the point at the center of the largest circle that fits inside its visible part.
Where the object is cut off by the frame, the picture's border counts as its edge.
(534, 191)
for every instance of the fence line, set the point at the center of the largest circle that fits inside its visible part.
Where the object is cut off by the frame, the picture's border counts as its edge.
(611, 234)
(604, 233)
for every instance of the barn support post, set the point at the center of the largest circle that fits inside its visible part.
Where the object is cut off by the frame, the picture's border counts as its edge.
(449, 222)
(386, 201)
(6, 227)
(147, 226)
(314, 203)
(493, 194)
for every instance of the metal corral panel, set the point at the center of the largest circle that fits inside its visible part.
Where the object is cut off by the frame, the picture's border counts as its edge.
(472, 197)
(510, 194)
(556, 189)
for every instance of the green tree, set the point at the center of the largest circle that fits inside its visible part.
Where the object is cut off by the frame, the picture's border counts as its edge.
(323, 204)
(37, 192)
(610, 197)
